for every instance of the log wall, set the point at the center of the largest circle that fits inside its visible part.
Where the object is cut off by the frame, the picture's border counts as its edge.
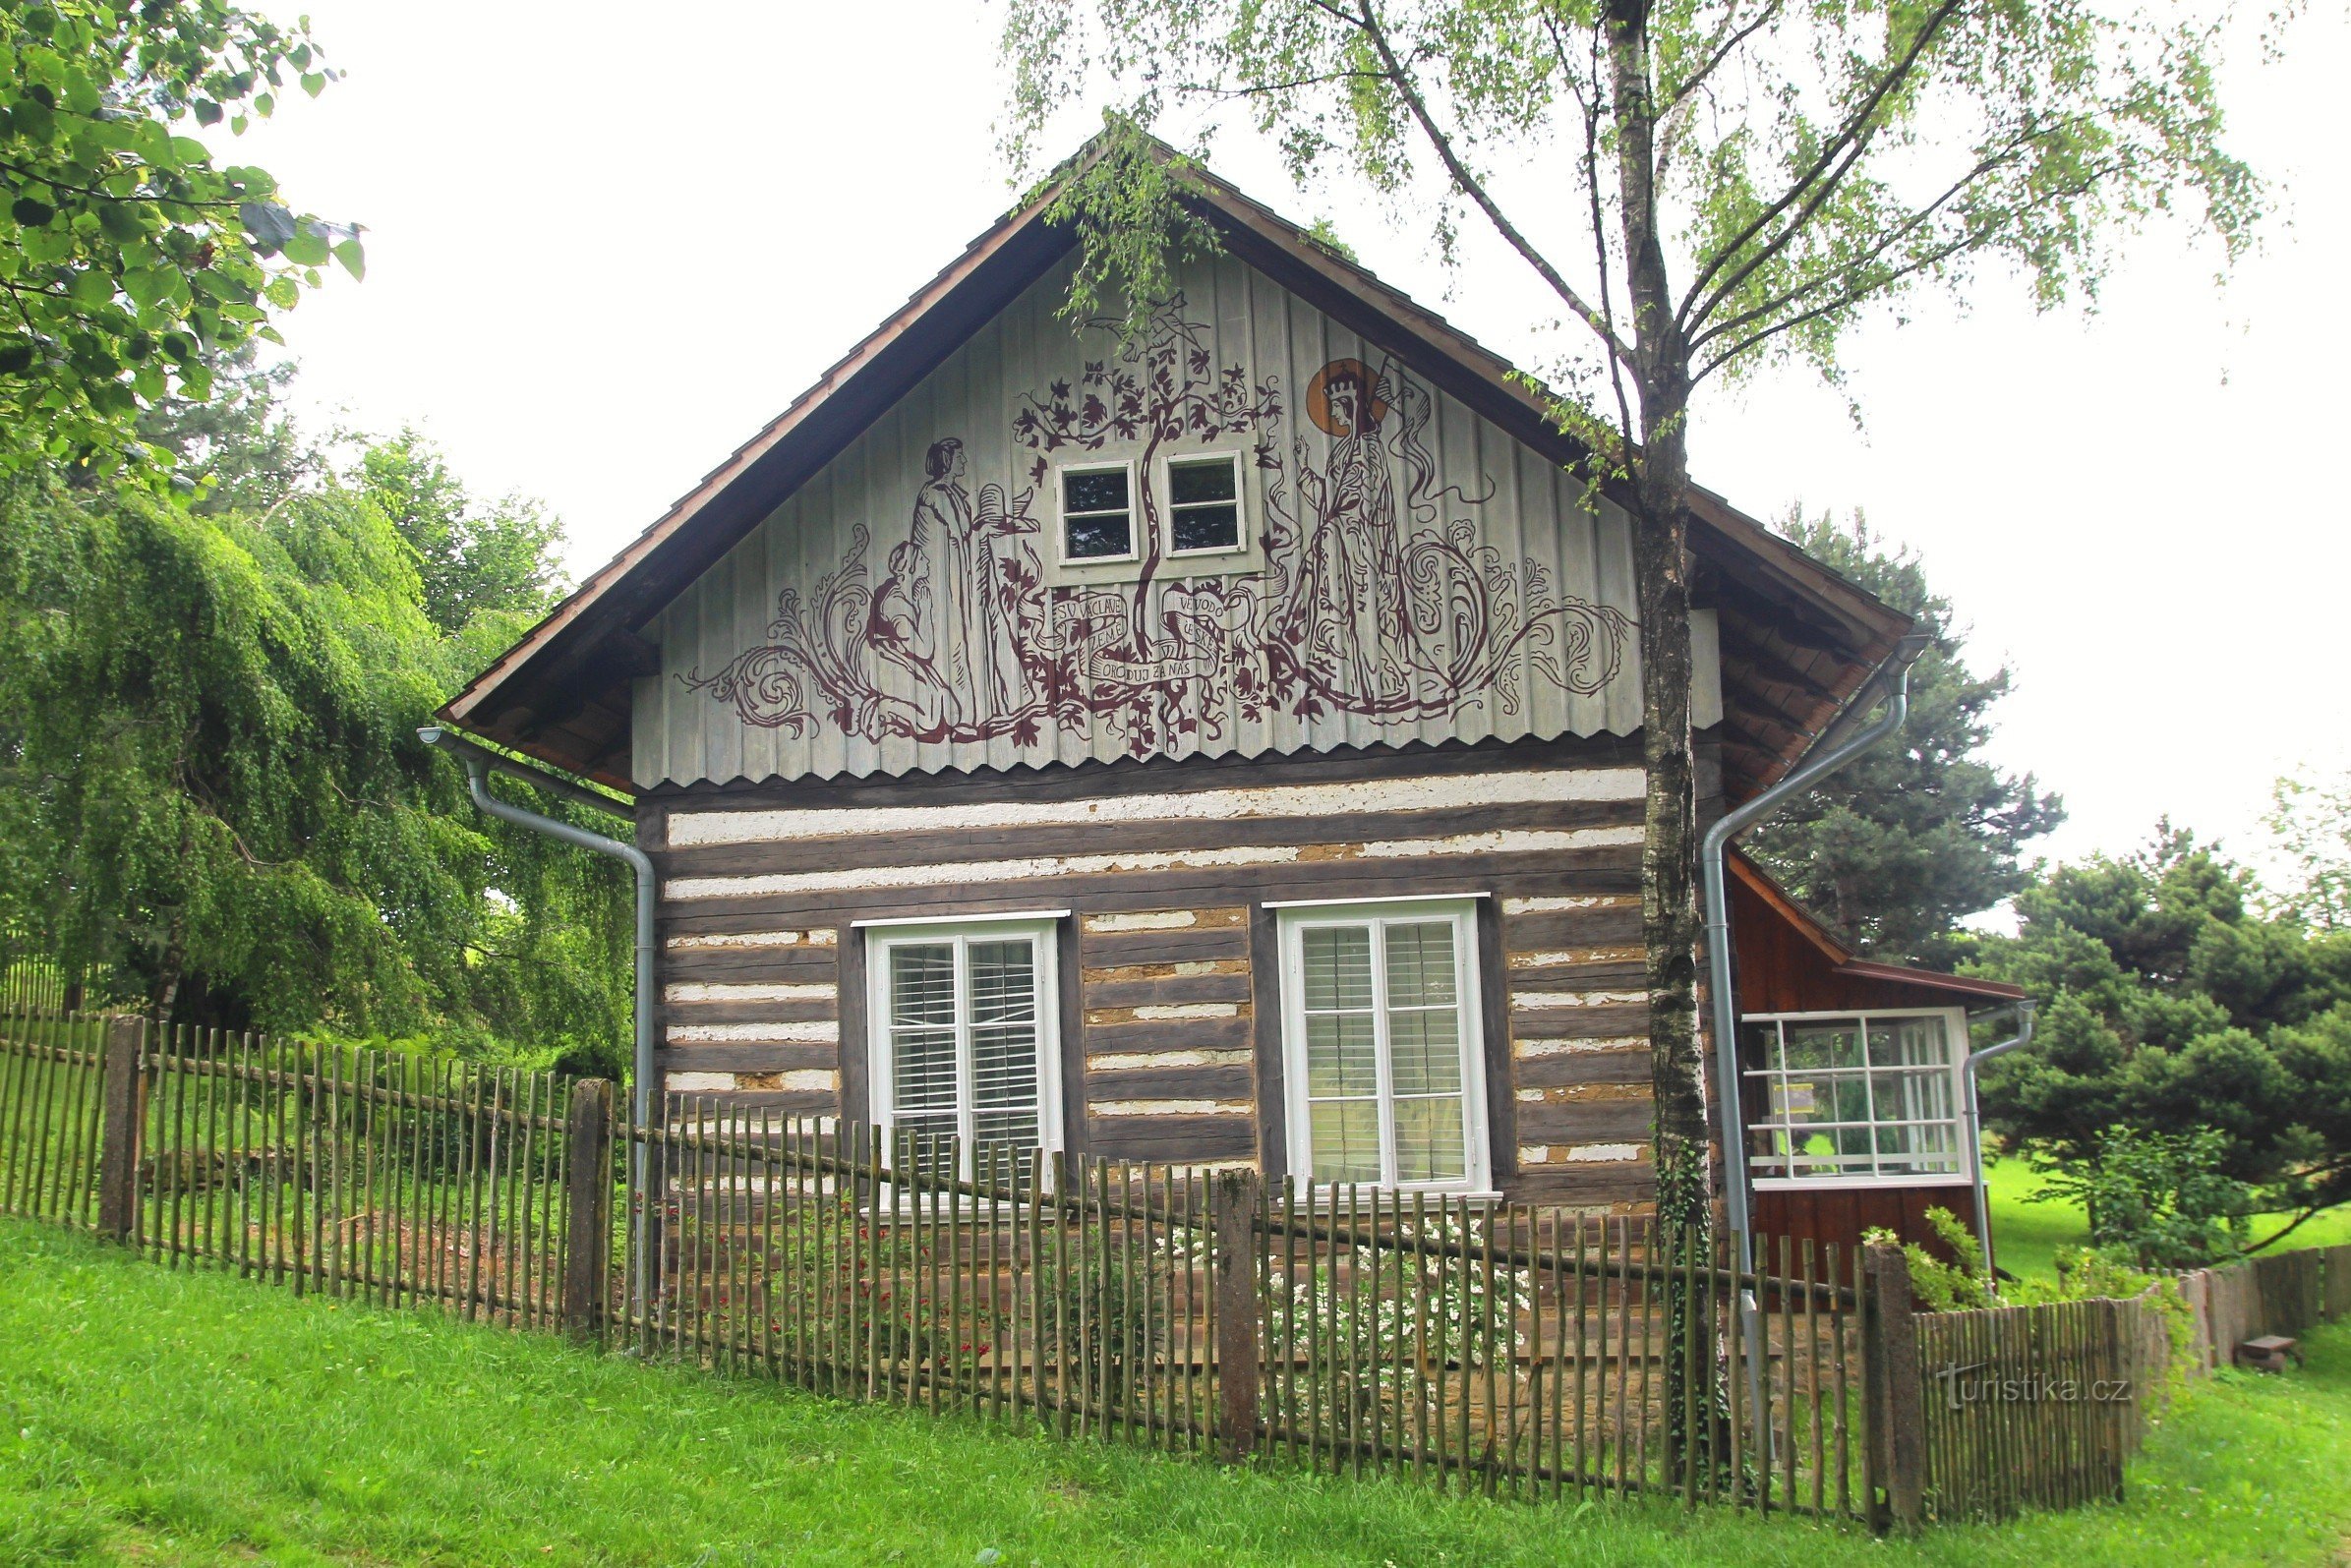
(1169, 1007)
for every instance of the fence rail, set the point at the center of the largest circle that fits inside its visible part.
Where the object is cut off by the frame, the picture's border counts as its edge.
(1469, 1346)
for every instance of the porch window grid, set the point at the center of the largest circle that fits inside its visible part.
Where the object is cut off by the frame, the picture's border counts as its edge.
(1907, 1122)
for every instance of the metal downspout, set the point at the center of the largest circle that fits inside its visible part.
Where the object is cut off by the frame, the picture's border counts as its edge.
(1717, 951)
(479, 763)
(1983, 1209)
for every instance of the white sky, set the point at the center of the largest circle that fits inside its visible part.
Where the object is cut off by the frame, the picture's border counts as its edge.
(605, 245)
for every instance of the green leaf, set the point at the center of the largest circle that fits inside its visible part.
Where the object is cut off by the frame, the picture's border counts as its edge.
(29, 213)
(354, 259)
(207, 112)
(92, 287)
(313, 82)
(269, 224)
(282, 292)
(147, 284)
(120, 221)
(307, 245)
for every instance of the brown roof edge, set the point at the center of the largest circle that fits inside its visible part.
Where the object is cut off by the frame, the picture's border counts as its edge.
(1759, 882)
(1934, 980)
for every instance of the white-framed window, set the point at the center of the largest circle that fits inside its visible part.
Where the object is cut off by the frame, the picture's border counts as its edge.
(1383, 1058)
(1203, 504)
(964, 1033)
(1099, 517)
(1858, 1097)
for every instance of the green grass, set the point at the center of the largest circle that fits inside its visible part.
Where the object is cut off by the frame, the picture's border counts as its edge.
(2026, 1236)
(194, 1419)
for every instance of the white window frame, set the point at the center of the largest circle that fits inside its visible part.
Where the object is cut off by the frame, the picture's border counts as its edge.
(960, 933)
(1956, 1042)
(1241, 531)
(1137, 519)
(1292, 922)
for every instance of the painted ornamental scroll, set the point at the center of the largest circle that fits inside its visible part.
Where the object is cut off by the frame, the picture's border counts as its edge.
(1376, 596)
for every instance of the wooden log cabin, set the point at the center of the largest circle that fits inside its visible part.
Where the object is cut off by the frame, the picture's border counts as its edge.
(1216, 745)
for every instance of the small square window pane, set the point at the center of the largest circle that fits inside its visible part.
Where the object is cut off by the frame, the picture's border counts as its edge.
(1338, 967)
(1426, 1050)
(1429, 1141)
(1420, 964)
(1003, 981)
(1906, 1042)
(1106, 535)
(1340, 1056)
(1100, 489)
(1016, 1127)
(1208, 527)
(922, 984)
(923, 1070)
(1206, 479)
(1837, 1044)
(1346, 1137)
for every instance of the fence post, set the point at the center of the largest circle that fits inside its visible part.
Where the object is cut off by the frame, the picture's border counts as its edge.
(1896, 1452)
(1236, 1347)
(587, 1206)
(118, 1148)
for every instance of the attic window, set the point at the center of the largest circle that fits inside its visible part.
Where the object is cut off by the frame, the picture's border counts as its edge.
(1203, 496)
(1097, 512)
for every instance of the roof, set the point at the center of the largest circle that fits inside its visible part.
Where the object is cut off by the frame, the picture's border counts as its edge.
(1798, 641)
(1840, 957)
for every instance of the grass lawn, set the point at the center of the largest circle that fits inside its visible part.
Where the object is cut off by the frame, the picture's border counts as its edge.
(2026, 1236)
(182, 1419)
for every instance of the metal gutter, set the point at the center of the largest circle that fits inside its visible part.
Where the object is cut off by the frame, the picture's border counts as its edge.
(1895, 676)
(1983, 1209)
(479, 762)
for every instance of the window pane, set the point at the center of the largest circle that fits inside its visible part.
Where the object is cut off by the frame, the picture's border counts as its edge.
(922, 984)
(1345, 1135)
(1101, 489)
(1837, 1044)
(1426, 1049)
(1208, 479)
(1105, 535)
(1341, 1057)
(1429, 1143)
(1906, 1042)
(1208, 527)
(1016, 1127)
(1420, 964)
(923, 1070)
(1003, 981)
(1338, 967)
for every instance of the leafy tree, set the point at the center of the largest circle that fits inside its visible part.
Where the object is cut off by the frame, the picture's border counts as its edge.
(470, 559)
(128, 257)
(2170, 1006)
(2159, 1200)
(2310, 826)
(213, 796)
(1913, 837)
(1714, 187)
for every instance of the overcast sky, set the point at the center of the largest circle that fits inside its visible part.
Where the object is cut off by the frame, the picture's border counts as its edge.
(605, 245)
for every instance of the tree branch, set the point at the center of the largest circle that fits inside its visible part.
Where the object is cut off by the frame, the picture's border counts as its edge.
(1837, 154)
(1731, 41)
(1470, 185)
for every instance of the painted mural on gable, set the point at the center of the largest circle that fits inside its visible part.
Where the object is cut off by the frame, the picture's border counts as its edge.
(1373, 599)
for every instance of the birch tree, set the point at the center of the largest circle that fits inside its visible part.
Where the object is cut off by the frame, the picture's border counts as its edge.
(1705, 189)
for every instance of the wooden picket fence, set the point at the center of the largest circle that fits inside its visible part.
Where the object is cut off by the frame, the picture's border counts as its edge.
(1469, 1346)
(351, 1173)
